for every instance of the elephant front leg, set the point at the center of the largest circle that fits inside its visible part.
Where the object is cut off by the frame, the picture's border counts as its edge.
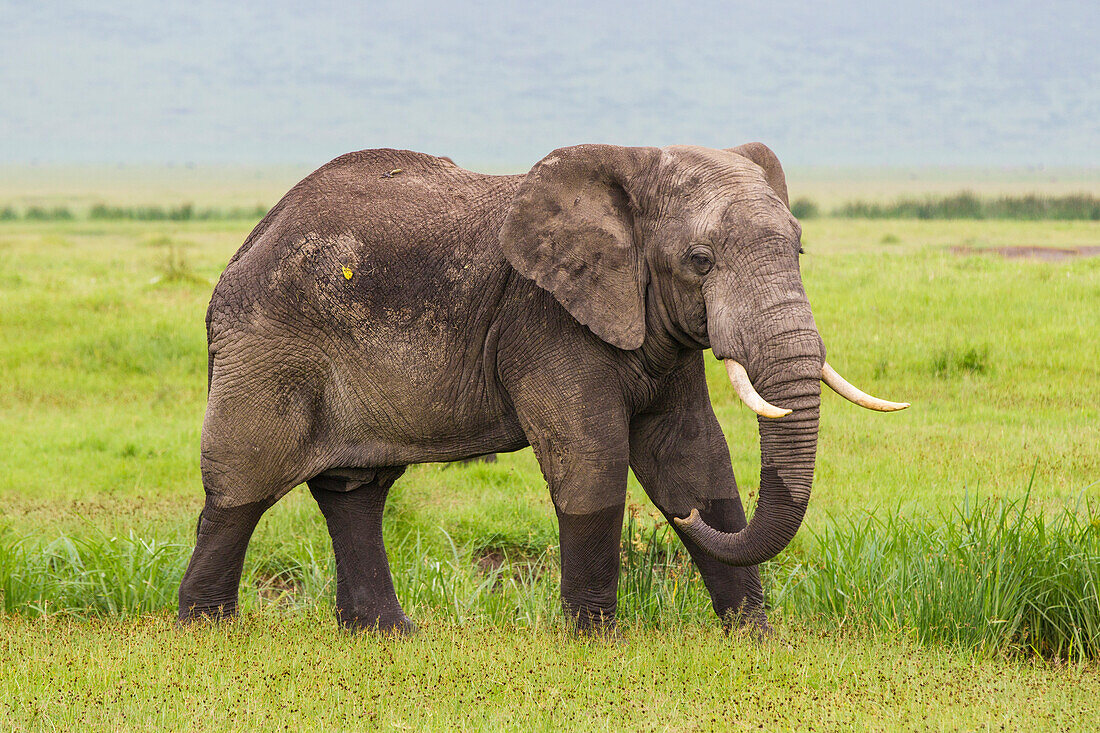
(586, 472)
(590, 567)
(736, 593)
(579, 432)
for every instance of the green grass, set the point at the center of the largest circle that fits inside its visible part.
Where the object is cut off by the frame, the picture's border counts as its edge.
(899, 599)
(994, 579)
(271, 671)
(991, 577)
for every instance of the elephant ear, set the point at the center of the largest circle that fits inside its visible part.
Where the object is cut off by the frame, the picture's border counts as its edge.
(763, 156)
(571, 229)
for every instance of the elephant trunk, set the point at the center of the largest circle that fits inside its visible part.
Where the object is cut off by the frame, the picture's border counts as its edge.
(788, 447)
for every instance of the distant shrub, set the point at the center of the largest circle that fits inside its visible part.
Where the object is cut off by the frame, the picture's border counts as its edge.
(966, 205)
(890, 239)
(173, 265)
(971, 360)
(57, 213)
(1078, 206)
(804, 208)
(182, 212)
(8, 214)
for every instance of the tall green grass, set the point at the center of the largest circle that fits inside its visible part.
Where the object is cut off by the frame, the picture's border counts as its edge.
(992, 576)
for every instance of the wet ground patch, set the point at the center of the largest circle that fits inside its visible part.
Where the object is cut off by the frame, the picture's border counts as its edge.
(1028, 252)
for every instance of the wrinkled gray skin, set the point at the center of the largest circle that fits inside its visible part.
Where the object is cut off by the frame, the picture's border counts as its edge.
(566, 309)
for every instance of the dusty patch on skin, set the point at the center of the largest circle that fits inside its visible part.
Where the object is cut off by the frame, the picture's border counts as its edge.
(1046, 254)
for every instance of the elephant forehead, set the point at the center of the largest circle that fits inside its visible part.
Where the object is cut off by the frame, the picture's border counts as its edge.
(743, 216)
(696, 165)
(716, 185)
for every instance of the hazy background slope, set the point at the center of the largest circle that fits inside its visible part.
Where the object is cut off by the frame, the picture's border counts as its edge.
(850, 84)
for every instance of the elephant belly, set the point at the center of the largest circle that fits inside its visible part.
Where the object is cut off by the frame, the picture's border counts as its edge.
(394, 413)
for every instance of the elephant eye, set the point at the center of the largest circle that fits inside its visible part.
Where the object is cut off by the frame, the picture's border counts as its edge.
(701, 261)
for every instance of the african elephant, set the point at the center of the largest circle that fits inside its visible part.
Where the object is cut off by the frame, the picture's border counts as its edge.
(394, 308)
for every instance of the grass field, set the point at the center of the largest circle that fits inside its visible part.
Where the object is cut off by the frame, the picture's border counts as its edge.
(102, 362)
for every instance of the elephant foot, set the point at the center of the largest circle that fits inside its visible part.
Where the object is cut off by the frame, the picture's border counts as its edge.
(761, 632)
(608, 633)
(590, 625)
(400, 626)
(752, 623)
(195, 614)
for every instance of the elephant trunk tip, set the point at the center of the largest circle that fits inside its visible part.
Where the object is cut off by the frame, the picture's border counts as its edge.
(690, 521)
(732, 549)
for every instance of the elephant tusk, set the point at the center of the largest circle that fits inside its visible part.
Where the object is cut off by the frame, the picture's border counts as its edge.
(843, 388)
(739, 378)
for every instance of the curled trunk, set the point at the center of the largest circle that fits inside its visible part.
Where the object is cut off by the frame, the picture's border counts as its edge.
(788, 447)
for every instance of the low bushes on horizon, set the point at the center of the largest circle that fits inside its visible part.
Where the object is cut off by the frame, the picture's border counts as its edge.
(104, 212)
(967, 205)
(961, 205)
(182, 212)
(805, 208)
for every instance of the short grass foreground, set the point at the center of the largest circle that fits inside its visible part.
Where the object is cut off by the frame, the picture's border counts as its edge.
(271, 671)
(946, 576)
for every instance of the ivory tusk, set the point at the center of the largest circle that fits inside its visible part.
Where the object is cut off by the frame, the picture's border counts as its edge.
(843, 388)
(739, 378)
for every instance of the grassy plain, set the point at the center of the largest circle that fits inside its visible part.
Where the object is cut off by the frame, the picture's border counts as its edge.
(102, 367)
(270, 671)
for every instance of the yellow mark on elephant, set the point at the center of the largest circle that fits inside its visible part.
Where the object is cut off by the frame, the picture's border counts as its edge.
(347, 272)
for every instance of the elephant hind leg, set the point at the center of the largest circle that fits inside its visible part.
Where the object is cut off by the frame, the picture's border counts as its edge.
(241, 483)
(209, 587)
(259, 441)
(352, 501)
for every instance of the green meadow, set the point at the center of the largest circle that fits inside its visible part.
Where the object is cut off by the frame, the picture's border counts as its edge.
(947, 575)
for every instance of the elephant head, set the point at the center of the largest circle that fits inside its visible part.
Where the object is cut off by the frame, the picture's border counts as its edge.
(696, 248)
